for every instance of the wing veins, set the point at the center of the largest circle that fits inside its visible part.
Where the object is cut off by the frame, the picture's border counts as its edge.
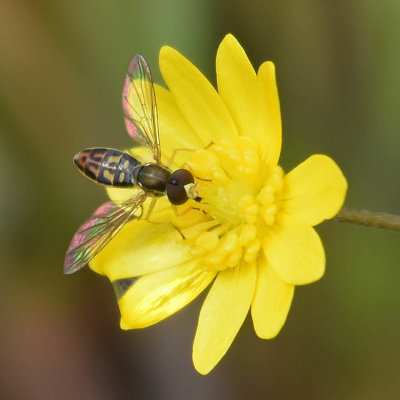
(78, 256)
(142, 128)
(139, 86)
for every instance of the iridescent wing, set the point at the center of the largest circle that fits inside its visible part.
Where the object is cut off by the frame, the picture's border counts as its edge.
(139, 106)
(98, 230)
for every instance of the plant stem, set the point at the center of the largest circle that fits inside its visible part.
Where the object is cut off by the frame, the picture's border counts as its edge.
(369, 218)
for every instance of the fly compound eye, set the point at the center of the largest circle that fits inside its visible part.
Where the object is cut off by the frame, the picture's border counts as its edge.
(183, 176)
(176, 193)
(176, 190)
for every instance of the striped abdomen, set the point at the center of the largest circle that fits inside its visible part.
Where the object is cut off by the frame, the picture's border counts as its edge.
(107, 166)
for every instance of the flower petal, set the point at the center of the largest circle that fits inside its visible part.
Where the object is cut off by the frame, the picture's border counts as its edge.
(195, 96)
(119, 195)
(156, 296)
(141, 248)
(175, 131)
(237, 86)
(294, 250)
(315, 190)
(270, 110)
(271, 302)
(249, 98)
(222, 315)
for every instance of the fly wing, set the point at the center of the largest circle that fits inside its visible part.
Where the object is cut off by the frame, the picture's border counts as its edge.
(140, 107)
(98, 230)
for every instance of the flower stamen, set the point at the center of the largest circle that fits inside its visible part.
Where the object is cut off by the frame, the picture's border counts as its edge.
(233, 202)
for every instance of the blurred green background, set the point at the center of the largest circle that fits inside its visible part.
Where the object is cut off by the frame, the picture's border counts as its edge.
(62, 65)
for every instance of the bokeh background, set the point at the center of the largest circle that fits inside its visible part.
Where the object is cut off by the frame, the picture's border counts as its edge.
(62, 65)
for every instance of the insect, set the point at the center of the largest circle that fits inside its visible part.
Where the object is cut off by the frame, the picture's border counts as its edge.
(115, 168)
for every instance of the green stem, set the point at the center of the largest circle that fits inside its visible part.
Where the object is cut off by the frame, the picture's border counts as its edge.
(369, 218)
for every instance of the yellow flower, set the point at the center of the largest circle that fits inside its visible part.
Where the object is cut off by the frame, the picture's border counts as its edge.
(251, 235)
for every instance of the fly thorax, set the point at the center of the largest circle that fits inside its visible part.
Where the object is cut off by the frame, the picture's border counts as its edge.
(153, 178)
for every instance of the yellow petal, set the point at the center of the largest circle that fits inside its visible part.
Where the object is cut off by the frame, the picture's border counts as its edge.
(175, 131)
(315, 190)
(237, 86)
(195, 96)
(119, 195)
(222, 315)
(141, 248)
(252, 101)
(271, 302)
(123, 326)
(156, 296)
(271, 113)
(294, 250)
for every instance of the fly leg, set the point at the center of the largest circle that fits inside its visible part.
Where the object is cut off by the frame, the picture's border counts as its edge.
(174, 153)
(150, 210)
(187, 166)
(181, 213)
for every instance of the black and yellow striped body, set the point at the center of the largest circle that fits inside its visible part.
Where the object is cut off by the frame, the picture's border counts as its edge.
(114, 168)
(108, 166)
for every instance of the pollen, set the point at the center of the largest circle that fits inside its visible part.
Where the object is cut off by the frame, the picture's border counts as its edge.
(239, 204)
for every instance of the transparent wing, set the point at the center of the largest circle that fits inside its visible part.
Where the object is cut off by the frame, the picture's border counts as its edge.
(98, 230)
(139, 106)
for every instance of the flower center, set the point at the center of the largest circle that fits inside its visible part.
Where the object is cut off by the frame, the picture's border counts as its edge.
(239, 202)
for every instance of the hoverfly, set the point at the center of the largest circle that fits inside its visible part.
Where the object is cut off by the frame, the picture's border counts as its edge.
(115, 168)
